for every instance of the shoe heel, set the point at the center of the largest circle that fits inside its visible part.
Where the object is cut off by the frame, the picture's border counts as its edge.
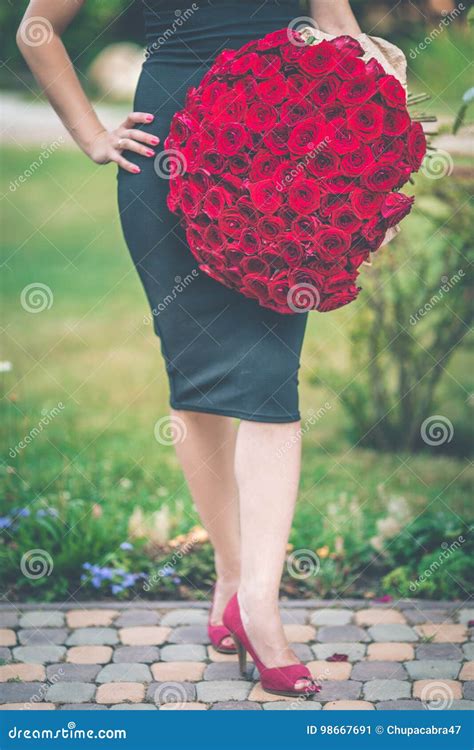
(242, 654)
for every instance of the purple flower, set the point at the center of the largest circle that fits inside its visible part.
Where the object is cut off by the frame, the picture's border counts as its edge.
(6, 522)
(116, 588)
(126, 546)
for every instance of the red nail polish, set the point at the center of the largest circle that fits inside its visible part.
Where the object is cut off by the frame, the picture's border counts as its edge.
(136, 170)
(149, 118)
(155, 141)
(149, 152)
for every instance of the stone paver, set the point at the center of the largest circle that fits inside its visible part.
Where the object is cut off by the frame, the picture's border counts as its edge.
(89, 654)
(379, 670)
(327, 670)
(120, 692)
(45, 637)
(399, 655)
(26, 707)
(187, 652)
(127, 672)
(349, 706)
(390, 652)
(343, 633)
(180, 671)
(382, 690)
(23, 672)
(353, 651)
(93, 637)
(427, 668)
(440, 633)
(332, 617)
(379, 617)
(89, 618)
(7, 637)
(39, 654)
(440, 651)
(70, 692)
(437, 691)
(392, 633)
(40, 619)
(145, 654)
(148, 635)
(212, 691)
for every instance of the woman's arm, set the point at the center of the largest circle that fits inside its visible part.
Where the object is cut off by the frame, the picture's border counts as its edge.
(52, 67)
(335, 17)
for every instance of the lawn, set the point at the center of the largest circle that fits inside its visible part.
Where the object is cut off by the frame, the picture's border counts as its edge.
(90, 365)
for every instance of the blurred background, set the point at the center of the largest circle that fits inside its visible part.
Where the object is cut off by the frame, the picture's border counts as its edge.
(386, 384)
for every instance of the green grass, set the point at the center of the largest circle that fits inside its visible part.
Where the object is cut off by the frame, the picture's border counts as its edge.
(92, 352)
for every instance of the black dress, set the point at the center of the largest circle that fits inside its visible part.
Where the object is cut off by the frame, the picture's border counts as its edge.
(224, 353)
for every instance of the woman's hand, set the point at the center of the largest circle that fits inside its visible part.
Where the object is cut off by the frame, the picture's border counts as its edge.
(109, 144)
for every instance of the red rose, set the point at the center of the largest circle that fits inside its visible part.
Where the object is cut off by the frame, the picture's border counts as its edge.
(291, 251)
(333, 111)
(388, 150)
(278, 290)
(396, 121)
(341, 139)
(373, 232)
(331, 201)
(366, 121)
(395, 207)
(181, 127)
(265, 196)
(231, 222)
(357, 161)
(348, 67)
(349, 46)
(324, 91)
(305, 136)
(323, 163)
(212, 161)
(304, 228)
(272, 90)
(231, 138)
(263, 166)
(365, 203)
(242, 64)
(392, 91)
(249, 241)
(332, 243)
(190, 200)
(270, 227)
(344, 218)
(240, 163)
(260, 116)
(294, 110)
(214, 238)
(373, 68)
(339, 184)
(271, 255)
(381, 177)
(255, 285)
(299, 86)
(216, 199)
(229, 107)
(255, 264)
(357, 90)
(266, 65)
(416, 145)
(277, 139)
(247, 209)
(304, 196)
(279, 38)
(318, 59)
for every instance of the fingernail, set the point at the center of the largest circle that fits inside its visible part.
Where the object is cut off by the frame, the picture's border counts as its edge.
(149, 152)
(155, 141)
(136, 170)
(149, 118)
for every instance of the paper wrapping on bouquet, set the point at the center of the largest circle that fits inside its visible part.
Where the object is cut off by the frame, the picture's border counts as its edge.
(291, 155)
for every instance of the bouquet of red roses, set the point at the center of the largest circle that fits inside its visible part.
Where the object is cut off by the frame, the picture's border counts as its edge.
(289, 160)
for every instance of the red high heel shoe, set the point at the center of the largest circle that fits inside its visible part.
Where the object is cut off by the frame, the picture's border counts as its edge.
(218, 633)
(278, 680)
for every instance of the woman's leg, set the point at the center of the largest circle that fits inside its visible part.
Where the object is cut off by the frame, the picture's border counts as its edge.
(207, 458)
(268, 483)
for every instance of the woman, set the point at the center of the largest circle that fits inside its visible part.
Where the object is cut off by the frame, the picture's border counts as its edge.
(225, 355)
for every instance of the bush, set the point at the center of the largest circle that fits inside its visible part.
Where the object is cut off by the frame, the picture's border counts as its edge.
(413, 318)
